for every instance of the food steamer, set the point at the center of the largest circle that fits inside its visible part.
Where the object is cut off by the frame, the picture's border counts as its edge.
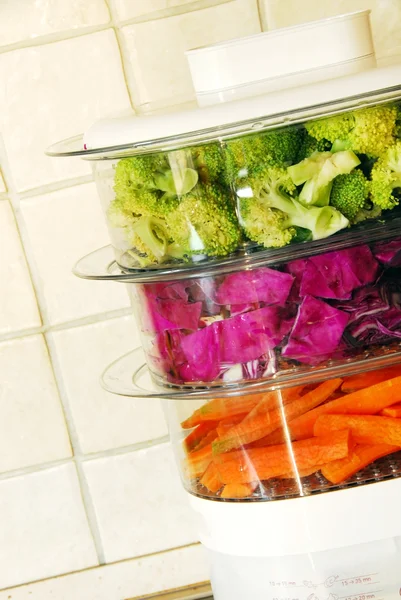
(267, 293)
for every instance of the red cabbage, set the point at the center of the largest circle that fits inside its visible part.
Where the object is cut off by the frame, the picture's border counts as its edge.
(239, 339)
(260, 285)
(317, 332)
(388, 253)
(335, 274)
(162, 314)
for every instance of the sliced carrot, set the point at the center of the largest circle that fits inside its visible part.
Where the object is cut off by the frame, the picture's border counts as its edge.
(196, 436)
(211, 479)
(273, 400)
(198, 461)
(221, 408)
(208, 439)
(238, 490)
(368, 401)
(361, 456)
(263, 424)
(258, 464)
(392, 411)
(301, 473)
(226, 424)
(365, 429)
(363, 380)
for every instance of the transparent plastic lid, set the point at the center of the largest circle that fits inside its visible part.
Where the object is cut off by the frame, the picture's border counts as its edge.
(113, 138)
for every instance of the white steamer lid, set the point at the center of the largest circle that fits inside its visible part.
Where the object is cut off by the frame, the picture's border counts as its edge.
(281, 58)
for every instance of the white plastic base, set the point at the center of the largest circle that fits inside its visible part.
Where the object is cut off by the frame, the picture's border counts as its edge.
(326, 521)
(365, 572)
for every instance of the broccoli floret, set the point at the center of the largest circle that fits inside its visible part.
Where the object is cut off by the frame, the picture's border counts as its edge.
(310, 145)
(137, 172)
(271, 191)
(369, 131)
(276, 148)
(203, 223)
(349, 193)
(318, 171)
(330, 128)
(386, 177)
(208, 161)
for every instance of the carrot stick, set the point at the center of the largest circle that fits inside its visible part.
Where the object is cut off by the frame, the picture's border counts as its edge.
(361, 456)
(392, 411)
(365, 429)
(198, 461)
(208, 439)
(368, 401)
(210, 479)
(257, 464)
(274, 400)
(363, 380)
(196, 436)
(221, 408)
(238, 490)
(226, 424)
(260, 425)
(301, 473)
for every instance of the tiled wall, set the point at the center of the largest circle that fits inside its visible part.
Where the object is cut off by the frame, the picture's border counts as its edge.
(90, 501)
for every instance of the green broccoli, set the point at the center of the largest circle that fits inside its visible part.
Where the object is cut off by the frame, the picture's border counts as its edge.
(203, 223)
(386, 177)
(309, 145)
(208, 160)
(277, 148)
(270, 215)
(349, 193)
(369, 130)
(318, 172)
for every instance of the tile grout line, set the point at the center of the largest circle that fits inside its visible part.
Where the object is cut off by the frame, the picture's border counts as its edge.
(110, 564)
(55, 186)
(82, 322)
(84, 458)
(53, 360)
(76, 450)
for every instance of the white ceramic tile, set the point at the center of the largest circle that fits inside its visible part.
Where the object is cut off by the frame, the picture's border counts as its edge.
(55, 91)
(162, 76)
(103, 420)
(62, 227)
(139, 502)
(32, 426)
(18, 308)
(44, 530)
(46, 17)
(385, 17)
(128, 579)
(136, 9)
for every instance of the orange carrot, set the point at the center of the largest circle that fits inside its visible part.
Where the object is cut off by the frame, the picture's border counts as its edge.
(226, 424)
(301, 473)
(263, 424)
(198, 461)
(365, 429)
(363, 380)
(210, 479)
(368, 401)
(196, 436)
(208, 439)
(361, 456)
(221, 408)
(273, 400)
(238, 490)
(258, 464)
(392, 411)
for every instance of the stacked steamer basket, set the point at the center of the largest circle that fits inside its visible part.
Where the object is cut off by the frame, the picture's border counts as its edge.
(260, 243)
